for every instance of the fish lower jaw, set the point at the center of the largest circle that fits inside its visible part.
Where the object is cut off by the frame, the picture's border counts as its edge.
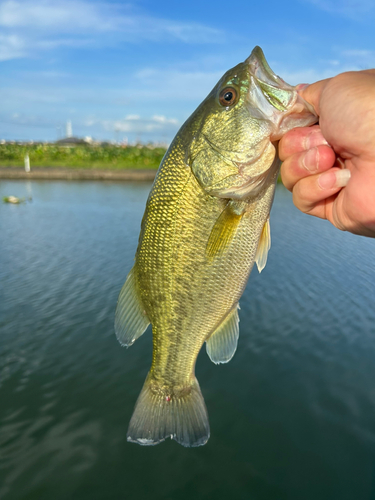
(300, 114)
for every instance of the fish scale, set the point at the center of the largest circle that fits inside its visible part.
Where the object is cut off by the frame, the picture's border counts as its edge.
(205, 224)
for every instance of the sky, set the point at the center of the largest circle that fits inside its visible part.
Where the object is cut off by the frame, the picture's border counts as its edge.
(136, 71)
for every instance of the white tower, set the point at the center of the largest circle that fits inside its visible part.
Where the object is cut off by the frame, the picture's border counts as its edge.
(69, 131)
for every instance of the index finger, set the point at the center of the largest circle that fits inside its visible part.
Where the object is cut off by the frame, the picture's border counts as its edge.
(300, 139)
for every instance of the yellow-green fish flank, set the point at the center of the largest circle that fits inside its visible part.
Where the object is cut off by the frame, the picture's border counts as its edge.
(205, 224)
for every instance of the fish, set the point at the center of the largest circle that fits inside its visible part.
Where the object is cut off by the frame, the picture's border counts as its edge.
(205, 224)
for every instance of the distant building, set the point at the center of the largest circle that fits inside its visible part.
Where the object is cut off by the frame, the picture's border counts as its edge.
(73, 141)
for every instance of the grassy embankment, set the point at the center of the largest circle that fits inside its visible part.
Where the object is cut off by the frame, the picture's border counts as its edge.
(109, 157)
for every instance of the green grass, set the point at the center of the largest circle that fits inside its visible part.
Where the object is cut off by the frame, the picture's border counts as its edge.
(109, 157)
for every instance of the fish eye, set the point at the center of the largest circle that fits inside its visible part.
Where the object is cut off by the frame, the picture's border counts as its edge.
(228, 97)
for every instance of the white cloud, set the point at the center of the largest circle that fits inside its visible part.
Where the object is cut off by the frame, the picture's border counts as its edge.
(339, 60)
(310, 75)
(358, 53)
(49, 74)
(355, 9)
(33, 121)
(360, 58)
(132, 117)
(163, 119)
(23, 95)
(172, 84)
(11, 47)
(46, 14)
(136, 124)
(155, 126)
(47, 24)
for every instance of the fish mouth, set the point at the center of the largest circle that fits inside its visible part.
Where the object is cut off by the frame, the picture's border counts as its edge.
(271, 98)
(268, 92)
(261, 70)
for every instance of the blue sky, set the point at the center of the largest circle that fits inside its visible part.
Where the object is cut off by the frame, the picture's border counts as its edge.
(139, 69)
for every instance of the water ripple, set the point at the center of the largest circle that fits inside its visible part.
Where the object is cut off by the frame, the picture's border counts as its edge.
(295, 406)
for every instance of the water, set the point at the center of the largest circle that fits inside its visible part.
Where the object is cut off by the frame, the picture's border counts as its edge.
(292, 415)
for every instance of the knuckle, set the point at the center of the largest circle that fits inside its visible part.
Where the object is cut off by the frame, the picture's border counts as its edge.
(293, 142)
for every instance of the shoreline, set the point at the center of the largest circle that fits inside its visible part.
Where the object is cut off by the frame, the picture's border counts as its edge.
(77, 174)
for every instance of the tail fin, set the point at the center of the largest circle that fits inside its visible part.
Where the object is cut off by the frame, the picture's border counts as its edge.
(161, 413)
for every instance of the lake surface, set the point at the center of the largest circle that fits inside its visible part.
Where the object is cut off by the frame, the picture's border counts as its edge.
(292, 415)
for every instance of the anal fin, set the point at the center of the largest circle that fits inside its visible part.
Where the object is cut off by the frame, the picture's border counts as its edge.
(263, 246)
(222, 343)
(130, 319)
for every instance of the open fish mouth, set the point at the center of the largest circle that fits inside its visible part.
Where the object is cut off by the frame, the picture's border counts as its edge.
(260, 68)
(271, 98)
(268, 92)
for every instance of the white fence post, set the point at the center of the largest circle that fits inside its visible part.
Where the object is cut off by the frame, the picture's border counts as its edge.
(27, 163)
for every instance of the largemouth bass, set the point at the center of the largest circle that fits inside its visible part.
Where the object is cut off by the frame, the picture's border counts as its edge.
(206, 222)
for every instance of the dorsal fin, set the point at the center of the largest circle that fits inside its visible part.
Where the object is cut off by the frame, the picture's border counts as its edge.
(222, 343)
(130, 319)
(263, 246)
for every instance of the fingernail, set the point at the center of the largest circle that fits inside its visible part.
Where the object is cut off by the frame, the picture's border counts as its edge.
(334, 178)
(342, 177)
(315, 138)
(310, 160)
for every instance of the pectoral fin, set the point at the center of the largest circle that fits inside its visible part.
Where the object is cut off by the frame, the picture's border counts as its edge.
(223, 231)
(222, 343)
(130, 319)
(263, 246)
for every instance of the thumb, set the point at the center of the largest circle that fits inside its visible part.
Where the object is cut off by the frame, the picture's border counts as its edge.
(312, 93)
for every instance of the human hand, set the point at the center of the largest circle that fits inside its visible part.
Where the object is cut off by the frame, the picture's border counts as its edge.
(319, 161)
